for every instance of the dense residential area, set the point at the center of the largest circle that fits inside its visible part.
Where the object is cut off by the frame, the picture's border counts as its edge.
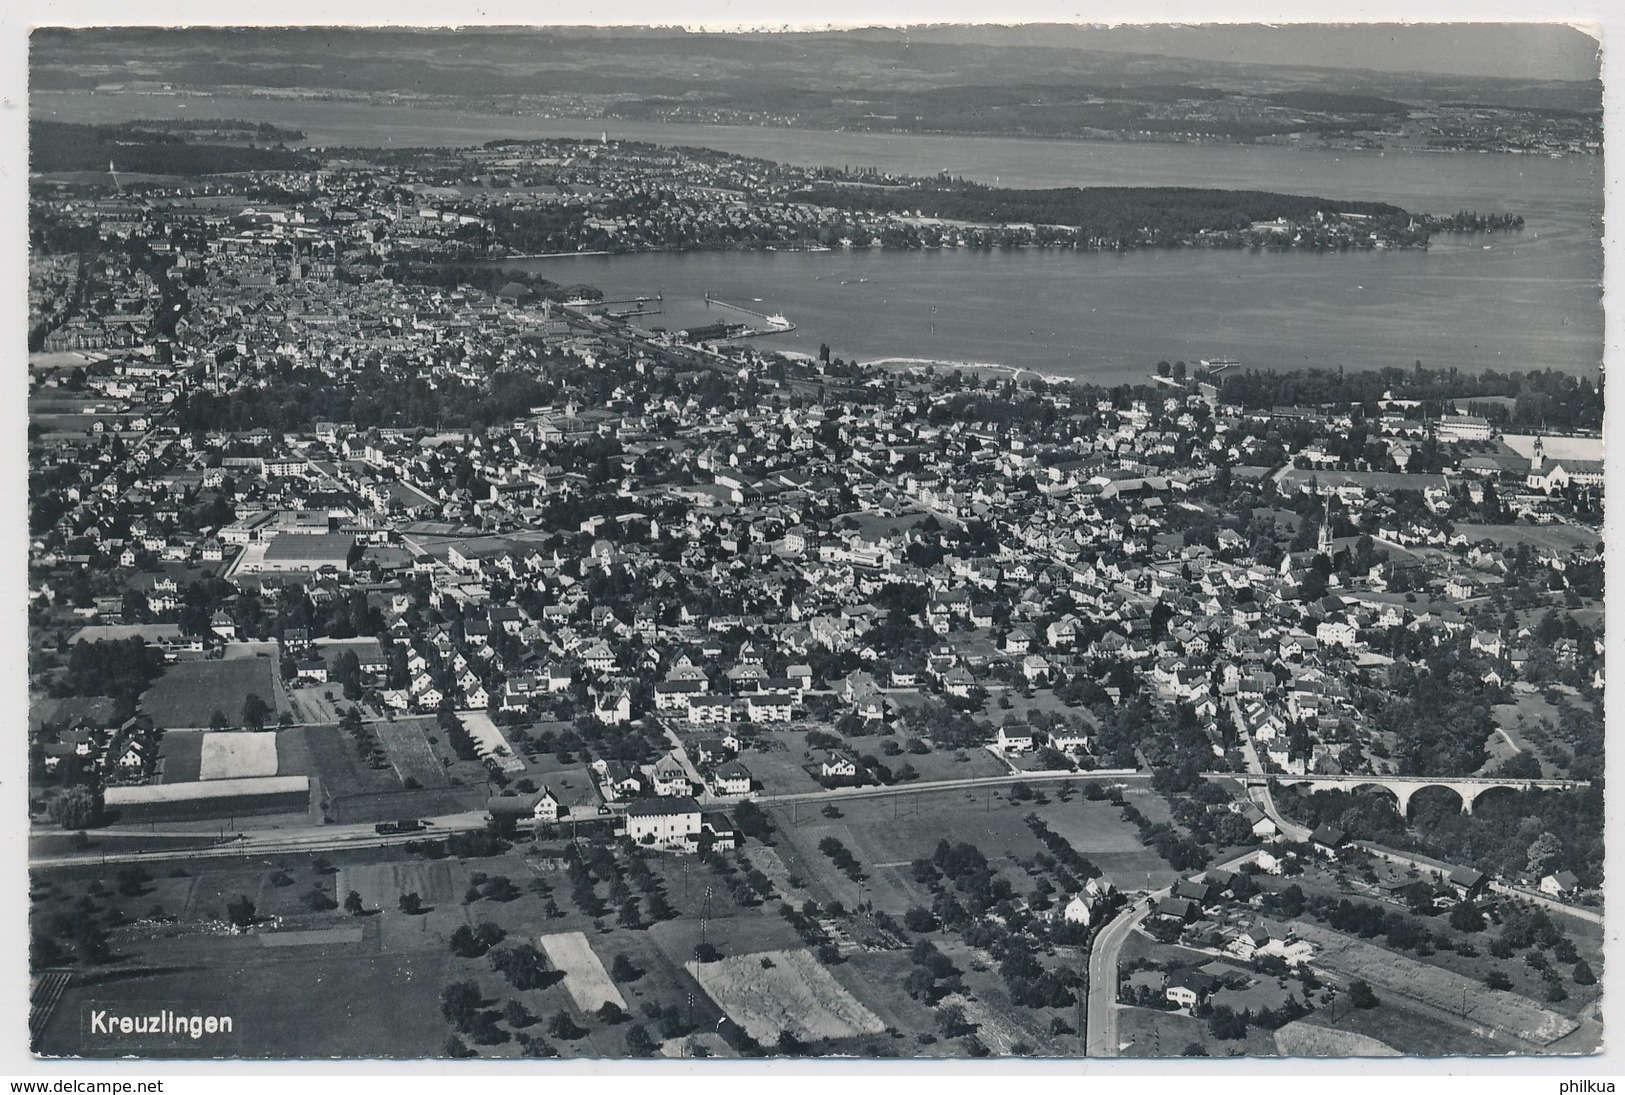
(402, 609)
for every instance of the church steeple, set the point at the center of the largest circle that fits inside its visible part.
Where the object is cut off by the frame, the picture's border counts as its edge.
(1323, 542)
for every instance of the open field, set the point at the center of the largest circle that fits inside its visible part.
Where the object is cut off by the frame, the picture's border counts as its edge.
(382, 884)
(488, 738)
(775, 991)
(316, 937)
(936, 764)
(776, 764)
(282, 1001)
(395, 805)
(1403, 1030)
(315, 704)
(886, 834)
(584, 975)
(410, 753)
(180, 756)
(1300, 1039)
(234, 756)
(189, 693)
(1556, 537)
(1438, 988)
(327, 754)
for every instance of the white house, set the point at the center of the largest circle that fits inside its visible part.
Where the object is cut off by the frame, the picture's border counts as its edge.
(663, 821)
(731, 778)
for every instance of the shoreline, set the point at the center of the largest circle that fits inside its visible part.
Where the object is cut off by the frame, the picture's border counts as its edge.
(918, 365)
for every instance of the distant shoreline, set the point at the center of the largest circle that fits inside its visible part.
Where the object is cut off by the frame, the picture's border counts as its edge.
(920, 364)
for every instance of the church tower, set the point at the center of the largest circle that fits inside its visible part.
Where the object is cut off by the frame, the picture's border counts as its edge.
(1323, 542)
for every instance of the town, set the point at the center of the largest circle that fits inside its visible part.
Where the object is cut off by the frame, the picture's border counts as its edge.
(390, 609)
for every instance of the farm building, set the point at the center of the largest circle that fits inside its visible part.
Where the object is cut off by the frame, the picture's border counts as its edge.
(542, 806)
(205, 799)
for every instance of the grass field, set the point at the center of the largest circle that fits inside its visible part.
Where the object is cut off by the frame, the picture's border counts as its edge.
(1438, 988)
(1554, 537)
(181, 754)
(887, 834)
(490, 740)
(281, 1000)
(410, 753)
(189, 694)
(234, 756)
(382, 884)
(327, 754)
(776, 764)
(585, 978)
(774, 991)
(1302, 1039)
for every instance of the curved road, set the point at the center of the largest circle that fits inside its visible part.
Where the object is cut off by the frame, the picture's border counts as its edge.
(1103, 1039)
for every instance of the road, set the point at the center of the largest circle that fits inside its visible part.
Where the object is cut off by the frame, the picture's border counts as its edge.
(1103, 1039)
(679, 751)
(330, 838)
(1590, 916)
(326, 838)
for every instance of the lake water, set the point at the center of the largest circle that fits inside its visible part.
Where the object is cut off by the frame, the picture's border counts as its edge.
(1530, 300)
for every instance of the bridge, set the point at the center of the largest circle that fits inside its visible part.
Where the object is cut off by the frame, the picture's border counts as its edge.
(1467, 788)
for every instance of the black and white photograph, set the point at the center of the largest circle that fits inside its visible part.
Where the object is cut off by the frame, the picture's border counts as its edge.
(935, 540)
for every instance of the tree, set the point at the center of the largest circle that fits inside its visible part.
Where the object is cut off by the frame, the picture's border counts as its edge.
(1465, 917)
(1497, 980)
(517, 1015)
(1361, 996)
(638, 1042)
(411, 904)
(1583, 974)
(255, 711)
(74, 808)
(352, 903)
(563, 1027)
(611, 1013)
(1544, 853)
(623, 970)
(706, 952)
(44, 952)
(919, 983)
(240, 911)
(456, 1047)
(459, 1001)
(918, 919)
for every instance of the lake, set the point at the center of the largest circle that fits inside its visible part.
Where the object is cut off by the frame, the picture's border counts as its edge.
(1528, 300)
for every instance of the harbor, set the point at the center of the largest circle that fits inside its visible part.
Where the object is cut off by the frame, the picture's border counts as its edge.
(776, 323)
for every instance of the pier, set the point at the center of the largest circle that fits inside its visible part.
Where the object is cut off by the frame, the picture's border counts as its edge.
(776, 323)
(622, 307)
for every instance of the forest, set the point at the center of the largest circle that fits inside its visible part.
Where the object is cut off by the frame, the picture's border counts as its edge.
(1543, 398)
(1162, 214)
(64, 146)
